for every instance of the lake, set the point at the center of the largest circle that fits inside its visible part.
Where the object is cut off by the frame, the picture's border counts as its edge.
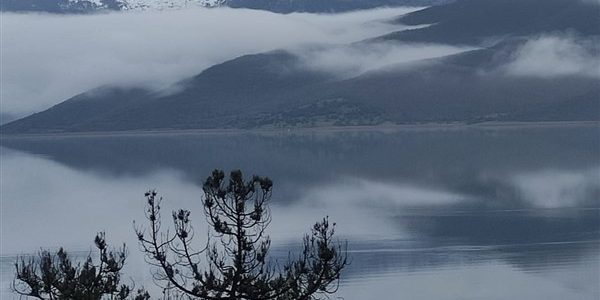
(471, 212)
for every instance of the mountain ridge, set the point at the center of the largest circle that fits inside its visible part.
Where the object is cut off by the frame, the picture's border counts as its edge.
(271, 89)
(277, 6)
(494, 20)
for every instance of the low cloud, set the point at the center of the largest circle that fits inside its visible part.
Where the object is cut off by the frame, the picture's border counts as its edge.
(65, 196)
(362, 208)
(362, 192)
(555, 189)
(48, 58)
(355, 59)
(556, 56)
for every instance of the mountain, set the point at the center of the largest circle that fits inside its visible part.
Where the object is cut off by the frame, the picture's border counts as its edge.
(279, 6)
(94, 6)
(168, 4)
(480, 21)
(61, 6)
(218, 97)
(275, 89)
(6, 118)
(261, 91)
(328, 6)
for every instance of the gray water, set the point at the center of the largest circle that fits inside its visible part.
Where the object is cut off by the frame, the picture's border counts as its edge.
(471, 213)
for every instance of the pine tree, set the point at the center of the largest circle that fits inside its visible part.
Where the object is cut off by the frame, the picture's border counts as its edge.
(234, 263)
(55, 276)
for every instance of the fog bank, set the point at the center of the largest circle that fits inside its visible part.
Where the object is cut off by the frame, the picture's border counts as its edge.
(551, 56)
(49, 58)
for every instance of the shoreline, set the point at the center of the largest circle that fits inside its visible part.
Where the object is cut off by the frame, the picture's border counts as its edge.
(317, 129)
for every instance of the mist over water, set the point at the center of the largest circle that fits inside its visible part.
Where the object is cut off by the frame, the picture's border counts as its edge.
(520, 208)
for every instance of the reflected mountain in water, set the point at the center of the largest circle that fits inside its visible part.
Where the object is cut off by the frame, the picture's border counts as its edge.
(478, 163)
(521, 200)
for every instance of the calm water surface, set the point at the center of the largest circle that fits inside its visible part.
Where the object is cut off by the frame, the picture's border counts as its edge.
(473, 213)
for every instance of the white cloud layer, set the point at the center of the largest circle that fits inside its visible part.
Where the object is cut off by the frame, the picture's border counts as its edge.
(359, 206)
(555, 56)
(552, 189)
(48, 58)
(65, 196)
(355, 59)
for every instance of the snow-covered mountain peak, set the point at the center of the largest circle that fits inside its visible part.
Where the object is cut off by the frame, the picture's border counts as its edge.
(167, 4)
(92, 5)
(93, 2)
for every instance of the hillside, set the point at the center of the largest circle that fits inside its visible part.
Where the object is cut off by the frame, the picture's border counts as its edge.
(278, 6)
(275, 89)
(488, 21)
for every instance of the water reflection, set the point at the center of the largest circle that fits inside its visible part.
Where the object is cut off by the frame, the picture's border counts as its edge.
(476, 162)
(449, 214)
